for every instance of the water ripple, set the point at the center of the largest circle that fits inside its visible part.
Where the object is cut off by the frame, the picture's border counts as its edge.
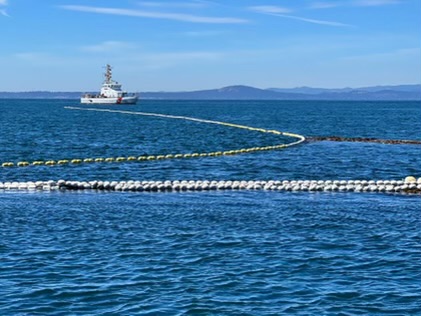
(211, 253)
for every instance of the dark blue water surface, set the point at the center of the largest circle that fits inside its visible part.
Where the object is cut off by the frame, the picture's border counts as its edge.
(210, 253)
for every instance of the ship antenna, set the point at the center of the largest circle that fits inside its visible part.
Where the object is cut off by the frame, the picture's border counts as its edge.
(108, 74)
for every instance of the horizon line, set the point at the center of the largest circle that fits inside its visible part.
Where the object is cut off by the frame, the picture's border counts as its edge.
(234, 85)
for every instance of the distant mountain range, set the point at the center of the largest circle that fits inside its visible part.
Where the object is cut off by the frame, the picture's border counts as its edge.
(376, 93)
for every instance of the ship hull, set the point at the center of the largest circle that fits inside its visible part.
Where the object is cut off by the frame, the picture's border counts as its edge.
(117, 101)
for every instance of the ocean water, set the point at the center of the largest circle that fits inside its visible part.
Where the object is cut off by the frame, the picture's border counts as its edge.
(210, 253)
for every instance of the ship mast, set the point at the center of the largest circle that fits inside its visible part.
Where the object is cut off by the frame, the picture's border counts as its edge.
(108, 74)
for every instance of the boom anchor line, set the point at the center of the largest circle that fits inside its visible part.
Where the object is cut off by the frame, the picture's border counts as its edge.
(75, 161)
(364, 140)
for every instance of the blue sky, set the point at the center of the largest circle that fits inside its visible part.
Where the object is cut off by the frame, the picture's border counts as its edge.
(183, 45)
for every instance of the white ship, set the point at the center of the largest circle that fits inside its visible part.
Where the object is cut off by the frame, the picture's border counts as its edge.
(111, 93)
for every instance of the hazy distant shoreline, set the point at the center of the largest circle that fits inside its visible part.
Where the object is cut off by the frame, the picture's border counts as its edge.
(376, 93)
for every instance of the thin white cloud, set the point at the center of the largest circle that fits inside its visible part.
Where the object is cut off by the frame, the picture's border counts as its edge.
(269, 9)
(320, 22)
(30, 56)
(3, 11)
(324, 5)
(374, 3)
(155, 15)
(352, 3)
(280, 12)
(194, 4)
(202, 33)
(313, 21)
(107, 47)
